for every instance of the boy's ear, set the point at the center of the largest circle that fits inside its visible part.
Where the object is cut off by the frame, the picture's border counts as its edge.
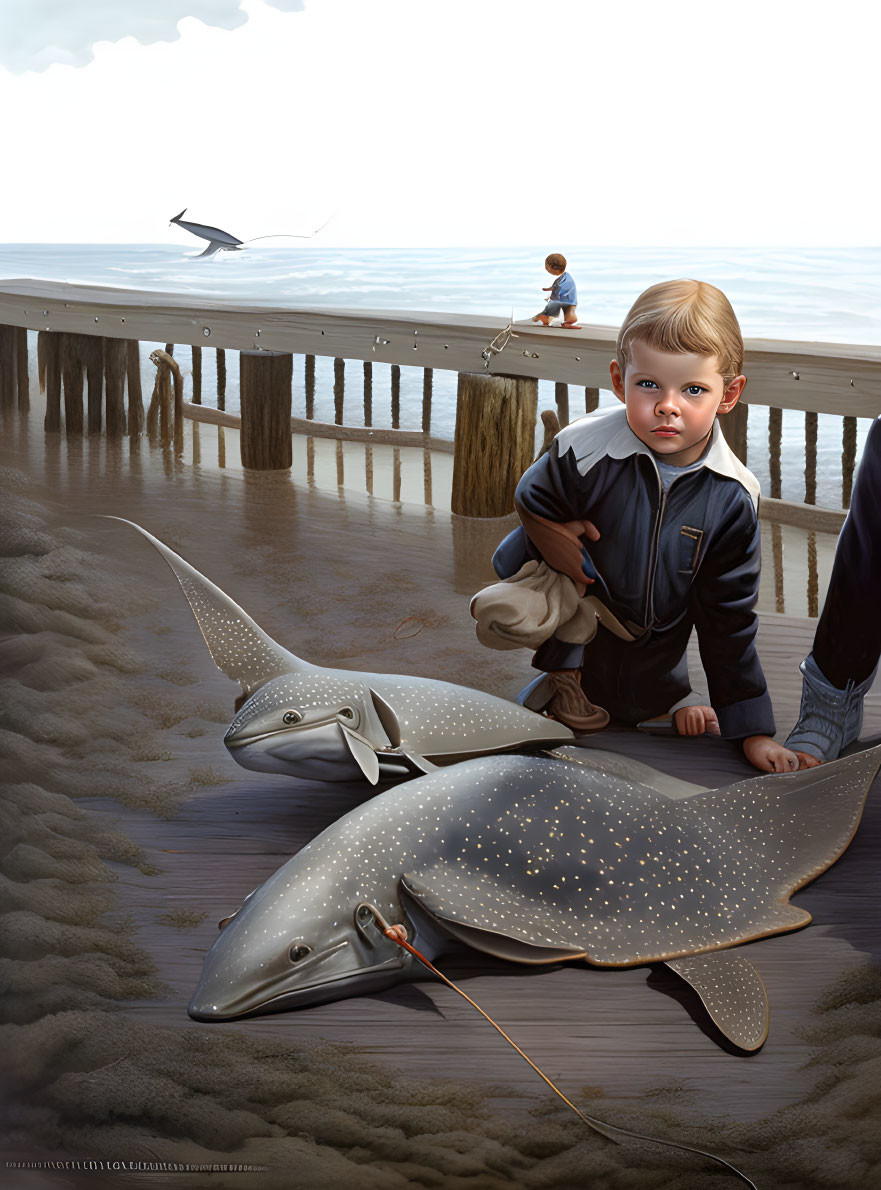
(618, 379)
(732, 394)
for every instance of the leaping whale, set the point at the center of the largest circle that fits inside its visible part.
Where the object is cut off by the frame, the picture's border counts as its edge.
(303, 720)
(219, 241)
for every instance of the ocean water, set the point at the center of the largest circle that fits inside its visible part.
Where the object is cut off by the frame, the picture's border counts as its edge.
(825, 295)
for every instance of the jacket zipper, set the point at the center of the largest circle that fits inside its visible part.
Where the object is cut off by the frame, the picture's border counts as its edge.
(650, 600)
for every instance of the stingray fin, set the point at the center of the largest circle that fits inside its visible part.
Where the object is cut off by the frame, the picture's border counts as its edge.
(362, 753)
(489, 917)
(389, 720)
(732, 992)
(237, 644)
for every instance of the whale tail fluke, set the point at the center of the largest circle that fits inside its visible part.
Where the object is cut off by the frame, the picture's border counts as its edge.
(180, 216)
(238, 645)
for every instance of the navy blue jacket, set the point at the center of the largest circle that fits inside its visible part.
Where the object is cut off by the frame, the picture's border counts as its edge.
(665, 562)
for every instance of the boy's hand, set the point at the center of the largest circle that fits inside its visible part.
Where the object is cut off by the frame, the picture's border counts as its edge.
(768, 755)
(696, 721)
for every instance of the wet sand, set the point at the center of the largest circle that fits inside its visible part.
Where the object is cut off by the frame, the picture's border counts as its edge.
(113, 700)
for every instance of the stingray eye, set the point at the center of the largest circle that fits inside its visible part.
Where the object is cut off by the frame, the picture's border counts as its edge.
(291, 717)
(299, 952)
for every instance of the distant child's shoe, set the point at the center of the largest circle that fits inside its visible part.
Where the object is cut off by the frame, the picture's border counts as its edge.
(572, 325)
(571, 706)
(830, 718)
(543, 319)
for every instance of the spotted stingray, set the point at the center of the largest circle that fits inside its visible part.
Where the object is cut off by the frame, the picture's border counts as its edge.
(304, 720)
(537, 860)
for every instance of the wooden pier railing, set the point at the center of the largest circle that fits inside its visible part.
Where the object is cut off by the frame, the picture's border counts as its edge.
(93, 333)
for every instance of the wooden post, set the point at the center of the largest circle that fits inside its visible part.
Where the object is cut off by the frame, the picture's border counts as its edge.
(197, 375)
(92, 353)
(734, 428)
(7, 367)
(427, 381)
(72, 379)
(309, 386)
(265, 385)
(848, 459)
(51, 345)
(561, 395)
(494, 441)
(115, 352)
(21, 358)
(775, 446)
(339, 389)
(221, 378)
(368, 393)
(591, 399)
(133, 384)
(396, 396)
(811, 461)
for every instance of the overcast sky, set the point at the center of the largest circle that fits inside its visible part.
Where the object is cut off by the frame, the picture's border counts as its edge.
(466, 122)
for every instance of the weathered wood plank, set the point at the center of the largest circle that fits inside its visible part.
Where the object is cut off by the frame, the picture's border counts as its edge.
(815, 377)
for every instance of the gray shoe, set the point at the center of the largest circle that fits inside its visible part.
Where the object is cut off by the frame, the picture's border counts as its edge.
(830, 718)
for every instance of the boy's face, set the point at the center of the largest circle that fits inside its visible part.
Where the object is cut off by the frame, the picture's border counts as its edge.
(672, 399)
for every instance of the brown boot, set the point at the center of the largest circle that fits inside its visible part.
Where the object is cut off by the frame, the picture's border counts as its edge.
(571, 706)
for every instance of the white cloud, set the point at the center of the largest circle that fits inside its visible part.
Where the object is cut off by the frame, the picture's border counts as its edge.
(34, 34)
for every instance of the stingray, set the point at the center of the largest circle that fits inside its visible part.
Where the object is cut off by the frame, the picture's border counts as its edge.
(539, 860)
(304, 720)
(218, 241)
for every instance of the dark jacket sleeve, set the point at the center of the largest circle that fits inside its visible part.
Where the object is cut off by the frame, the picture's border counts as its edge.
(550, 497)
(724, 597)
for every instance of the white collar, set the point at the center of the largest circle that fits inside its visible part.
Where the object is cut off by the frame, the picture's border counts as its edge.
(606, 434)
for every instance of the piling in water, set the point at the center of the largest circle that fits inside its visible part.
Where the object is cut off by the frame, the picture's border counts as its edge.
(427, 384)
(396, 396)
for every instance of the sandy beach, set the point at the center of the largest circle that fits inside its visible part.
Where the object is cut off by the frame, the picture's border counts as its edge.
(131, 832)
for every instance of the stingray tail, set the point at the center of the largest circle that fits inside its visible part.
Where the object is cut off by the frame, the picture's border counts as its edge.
(238, 645)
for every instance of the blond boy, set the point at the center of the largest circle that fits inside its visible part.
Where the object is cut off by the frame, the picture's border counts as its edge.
(647, 509)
